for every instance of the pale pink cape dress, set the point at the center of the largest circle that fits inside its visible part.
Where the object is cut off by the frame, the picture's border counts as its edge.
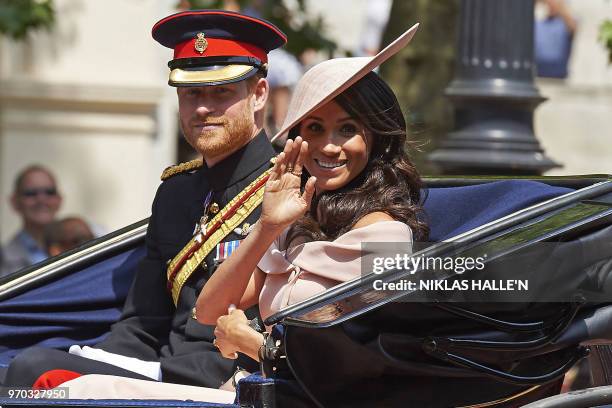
(308, 269)
(292, 276)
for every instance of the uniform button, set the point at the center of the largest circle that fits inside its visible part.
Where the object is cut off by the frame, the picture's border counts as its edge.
(204, 266)
(193, 313)
(214, 208)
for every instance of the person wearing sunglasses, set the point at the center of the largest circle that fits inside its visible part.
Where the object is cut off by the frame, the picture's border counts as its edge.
(36, 199)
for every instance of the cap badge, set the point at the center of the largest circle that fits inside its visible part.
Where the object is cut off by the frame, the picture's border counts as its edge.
(200, 44)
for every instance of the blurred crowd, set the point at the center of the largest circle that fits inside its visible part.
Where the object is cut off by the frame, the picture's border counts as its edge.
(553, 37)
(37, 200)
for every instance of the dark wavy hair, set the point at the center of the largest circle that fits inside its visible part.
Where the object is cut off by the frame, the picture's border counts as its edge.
(389, 183)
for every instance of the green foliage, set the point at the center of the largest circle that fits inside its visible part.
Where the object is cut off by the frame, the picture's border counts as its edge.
(305, 31)
(18, 17)
(605, 36)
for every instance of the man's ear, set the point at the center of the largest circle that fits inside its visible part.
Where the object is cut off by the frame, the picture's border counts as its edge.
(262, 89)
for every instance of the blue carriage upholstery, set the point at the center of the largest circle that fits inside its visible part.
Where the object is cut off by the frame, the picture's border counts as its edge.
(454, 210)
(74, 309)
(79, 308)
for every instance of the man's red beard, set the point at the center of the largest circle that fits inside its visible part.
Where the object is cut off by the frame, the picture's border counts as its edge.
(228, 137)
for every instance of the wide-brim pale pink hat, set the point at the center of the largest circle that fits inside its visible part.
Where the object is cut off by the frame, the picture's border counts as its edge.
(323, 82)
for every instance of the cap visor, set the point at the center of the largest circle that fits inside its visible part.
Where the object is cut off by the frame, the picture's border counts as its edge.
(224, 75)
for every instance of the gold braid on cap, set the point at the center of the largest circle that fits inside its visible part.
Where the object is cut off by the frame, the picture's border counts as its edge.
(181, 168)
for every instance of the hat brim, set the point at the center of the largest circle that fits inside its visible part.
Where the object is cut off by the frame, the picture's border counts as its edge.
(323, 82)
(224, 74)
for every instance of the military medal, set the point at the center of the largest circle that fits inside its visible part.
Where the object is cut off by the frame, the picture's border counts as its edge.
(225, 249)
(245, 229)
(200, 227)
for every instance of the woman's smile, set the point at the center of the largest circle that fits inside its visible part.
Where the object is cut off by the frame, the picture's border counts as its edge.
(330, 164)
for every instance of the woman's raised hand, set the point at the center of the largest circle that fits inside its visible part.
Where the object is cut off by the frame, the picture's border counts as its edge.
(283, 201)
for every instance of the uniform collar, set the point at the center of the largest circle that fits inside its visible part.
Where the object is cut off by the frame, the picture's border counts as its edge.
(241, 163)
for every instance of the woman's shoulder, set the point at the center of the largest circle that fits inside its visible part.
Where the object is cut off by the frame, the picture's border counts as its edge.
(373, 218)
(380, 226)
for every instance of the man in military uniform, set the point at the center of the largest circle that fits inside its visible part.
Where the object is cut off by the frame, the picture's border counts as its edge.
(200, 213)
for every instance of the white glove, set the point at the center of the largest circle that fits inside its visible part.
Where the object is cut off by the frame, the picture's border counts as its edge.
(151, 369)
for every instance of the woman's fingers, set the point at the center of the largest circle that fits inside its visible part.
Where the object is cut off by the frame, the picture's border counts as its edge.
(276, 169)
(295, 152)
(302, 150)
(237, 313)
(227, 350)
(282, 163)
(292, 152)
(309, 190)
(290, 160)
(225, 347)
(288, 154)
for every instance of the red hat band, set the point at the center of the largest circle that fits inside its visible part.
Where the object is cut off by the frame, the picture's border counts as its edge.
(216, 47)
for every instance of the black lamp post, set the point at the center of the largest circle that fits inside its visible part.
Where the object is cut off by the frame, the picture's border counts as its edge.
(494, 93)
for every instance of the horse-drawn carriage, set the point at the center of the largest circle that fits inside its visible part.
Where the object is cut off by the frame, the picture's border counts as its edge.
(356, 345)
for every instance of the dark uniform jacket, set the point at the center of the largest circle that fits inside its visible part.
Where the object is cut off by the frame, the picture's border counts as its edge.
(151, 327)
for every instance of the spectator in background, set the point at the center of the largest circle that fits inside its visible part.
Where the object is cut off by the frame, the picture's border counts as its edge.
(66, 234)
(284, 72)
(554, 34)
(36, 199)
(376, 18)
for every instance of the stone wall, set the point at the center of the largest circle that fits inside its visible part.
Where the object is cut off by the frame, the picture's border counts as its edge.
(575, 124)
(89, 100)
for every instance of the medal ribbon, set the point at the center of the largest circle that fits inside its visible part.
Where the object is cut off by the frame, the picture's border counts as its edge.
(196, 250)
